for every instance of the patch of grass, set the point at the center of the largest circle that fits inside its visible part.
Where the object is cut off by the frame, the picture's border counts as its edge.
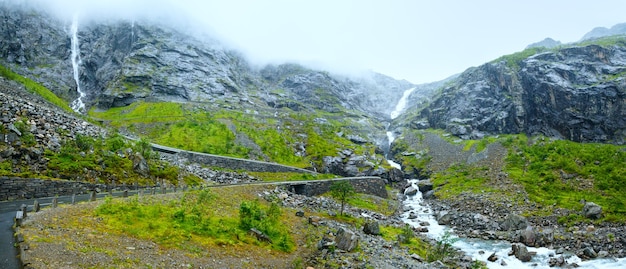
(513, 60)
(198, 218)
(413, 243)
(461, 178)
(35, 88)
(373, 203)
(141, 112)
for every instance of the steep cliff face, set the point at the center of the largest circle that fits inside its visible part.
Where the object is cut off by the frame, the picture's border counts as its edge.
(576, 93)
(37, 46)
(125, 61)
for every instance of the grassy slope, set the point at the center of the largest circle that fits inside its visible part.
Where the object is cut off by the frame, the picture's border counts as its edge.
(35, 88)
(189, 127)
(551, 172)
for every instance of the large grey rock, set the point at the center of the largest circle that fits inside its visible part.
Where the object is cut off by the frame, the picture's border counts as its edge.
(424, 186)
(346, 239)
(372, 228)
(514, 222)
(592, 210)
(521, 252)
(411, 190)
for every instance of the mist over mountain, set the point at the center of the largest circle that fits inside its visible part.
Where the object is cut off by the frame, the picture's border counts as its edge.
(123, 61)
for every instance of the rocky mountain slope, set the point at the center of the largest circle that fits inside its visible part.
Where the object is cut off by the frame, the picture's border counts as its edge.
(126, 62)
(576, 92)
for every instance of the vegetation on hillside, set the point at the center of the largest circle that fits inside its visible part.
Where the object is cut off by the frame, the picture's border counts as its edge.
(563, 173)
(198, 220)
(35, 88)
(513, 60)
(553, 173)
(296, 139)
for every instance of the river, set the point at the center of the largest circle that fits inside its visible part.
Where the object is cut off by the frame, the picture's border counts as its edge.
(480, 249)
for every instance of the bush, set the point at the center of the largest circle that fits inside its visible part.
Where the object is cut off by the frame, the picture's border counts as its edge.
(266, 220)
(443, 248)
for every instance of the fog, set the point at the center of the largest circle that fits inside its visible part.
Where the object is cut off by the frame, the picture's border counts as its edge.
(421, 41)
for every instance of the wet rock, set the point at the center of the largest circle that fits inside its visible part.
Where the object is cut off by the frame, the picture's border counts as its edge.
(592, 210)
(410, 191)
(556, 261)
(587, 253)
(521, 252)
(429, 194)
(424, 185)
(492, 257)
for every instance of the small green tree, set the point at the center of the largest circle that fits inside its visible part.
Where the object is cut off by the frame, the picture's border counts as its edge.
(342, 190)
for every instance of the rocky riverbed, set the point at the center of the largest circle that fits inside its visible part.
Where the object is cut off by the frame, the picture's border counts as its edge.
(479, 216)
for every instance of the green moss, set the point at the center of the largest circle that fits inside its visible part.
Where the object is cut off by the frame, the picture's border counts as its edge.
(35, 88)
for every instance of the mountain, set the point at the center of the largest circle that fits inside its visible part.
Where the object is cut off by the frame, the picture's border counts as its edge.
(546, 43)
(576, 93)
(618, 29)
(158, 73)
(181, 90)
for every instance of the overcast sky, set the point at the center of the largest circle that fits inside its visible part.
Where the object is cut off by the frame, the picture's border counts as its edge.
(420, 41)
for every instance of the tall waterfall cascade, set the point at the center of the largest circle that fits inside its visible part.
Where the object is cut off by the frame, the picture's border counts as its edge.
(400, 107)
(77, 105)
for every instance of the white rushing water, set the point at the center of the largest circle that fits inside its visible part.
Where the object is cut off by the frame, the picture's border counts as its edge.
(401, 105)
(77, 105)
(481, 249)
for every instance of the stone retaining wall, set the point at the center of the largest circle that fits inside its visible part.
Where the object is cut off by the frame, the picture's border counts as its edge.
(229, 162)
(367, 185)
(14, 188)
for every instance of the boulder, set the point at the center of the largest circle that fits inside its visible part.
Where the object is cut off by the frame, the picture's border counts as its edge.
(587, 253)
(521, 252)
(592, 211)
(445, 218)
(371, 228)
(140, 165)
(346, 239)
(492, 257)
(424, 186)
(528, 237)
(410, 191)
(514, 222)
(557, 261)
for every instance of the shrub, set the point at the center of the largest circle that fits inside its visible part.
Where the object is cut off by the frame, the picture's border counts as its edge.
(443, 248)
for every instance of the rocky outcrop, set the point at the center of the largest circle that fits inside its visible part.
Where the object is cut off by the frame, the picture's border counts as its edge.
(576, 93)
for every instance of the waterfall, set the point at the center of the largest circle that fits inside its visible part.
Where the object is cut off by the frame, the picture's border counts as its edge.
(400, 107)
(132, 31)
(77, 105)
